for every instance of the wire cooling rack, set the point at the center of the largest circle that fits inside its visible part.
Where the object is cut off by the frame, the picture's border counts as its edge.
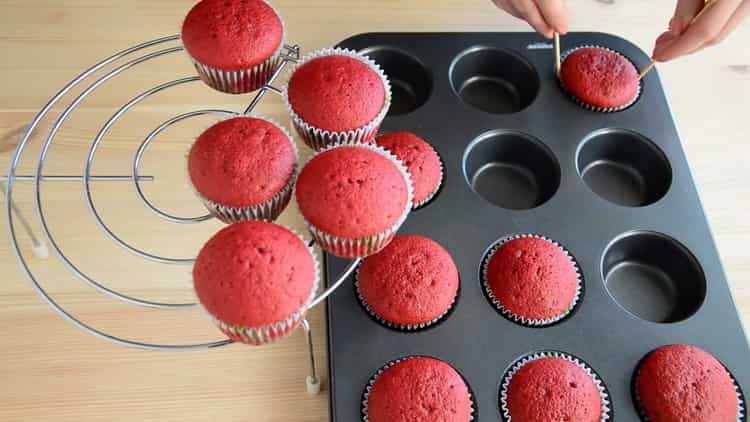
(119, 63)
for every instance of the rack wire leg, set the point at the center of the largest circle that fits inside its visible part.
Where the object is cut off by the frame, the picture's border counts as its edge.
(312, 381)
(38, 246)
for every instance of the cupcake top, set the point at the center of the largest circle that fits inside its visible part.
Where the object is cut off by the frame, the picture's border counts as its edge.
(253, 274)
(553, 389)
(353, 191)
(411, 281)
(336, 92)
(600, 77)
(232, 34)
(419, 389)
(241, 162)
(419, 158)
(532, 278)
(684, 383)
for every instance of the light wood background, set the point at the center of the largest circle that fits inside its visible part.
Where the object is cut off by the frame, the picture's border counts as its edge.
(50, 371)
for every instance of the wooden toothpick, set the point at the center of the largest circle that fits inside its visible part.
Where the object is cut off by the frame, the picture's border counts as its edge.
(557, 54)
(646, 70)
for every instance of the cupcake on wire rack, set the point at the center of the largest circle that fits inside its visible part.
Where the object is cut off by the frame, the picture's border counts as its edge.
(244, 168)
(417, 389)
(353, 198)
(599, 79)
(553, 386)
(680, 382)
(235, 45)
(422, 161)
(531, 280)
(410, 285)
(336, 96)
(256, 280)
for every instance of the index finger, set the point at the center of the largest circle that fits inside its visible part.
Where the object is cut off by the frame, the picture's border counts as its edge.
(555, 12)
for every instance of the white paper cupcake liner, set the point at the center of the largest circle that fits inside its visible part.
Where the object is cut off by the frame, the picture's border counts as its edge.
(589, 106)
(241, 81)
(268, 210)
(317, 138)
(642, 412)
(389, 324)
(279, 329)
(419, 204)
(505, 385)
(362, 246)
(371, 383)
(510, 315)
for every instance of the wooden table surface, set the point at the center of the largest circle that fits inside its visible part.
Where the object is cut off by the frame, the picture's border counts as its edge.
(50, 371)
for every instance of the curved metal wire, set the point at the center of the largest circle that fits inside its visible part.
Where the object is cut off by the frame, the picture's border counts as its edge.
(291, 54)
(142, 148)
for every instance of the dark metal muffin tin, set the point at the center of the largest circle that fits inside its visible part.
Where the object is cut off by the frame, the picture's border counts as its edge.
(521, 157)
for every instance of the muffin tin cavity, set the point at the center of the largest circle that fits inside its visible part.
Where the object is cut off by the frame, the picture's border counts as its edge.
(411, 82)
(653, 277)
(624, 167)
(511, 169)
(494, 80)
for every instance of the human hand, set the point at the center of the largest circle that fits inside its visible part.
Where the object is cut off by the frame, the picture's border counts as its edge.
(698, 24)
(545, 16)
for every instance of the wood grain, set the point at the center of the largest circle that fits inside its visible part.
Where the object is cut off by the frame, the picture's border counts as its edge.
(53, 372)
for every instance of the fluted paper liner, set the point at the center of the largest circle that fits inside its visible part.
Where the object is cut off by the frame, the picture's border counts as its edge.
(505, 385)
(241, 81)
(584, 104)
(362, 246)
(317, 138)
(267, 210)
(371, 383)
(279, 329)
(517, 318)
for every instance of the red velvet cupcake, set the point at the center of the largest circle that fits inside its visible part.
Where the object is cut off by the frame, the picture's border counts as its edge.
(684, 383)
(553, 386)
(337, 96)
(420, 159)
(409, 285)
(234, 44)
(256, 280)
(244, 168)
(417, 389)
(353, 198)
(531, 280)
(600, 79)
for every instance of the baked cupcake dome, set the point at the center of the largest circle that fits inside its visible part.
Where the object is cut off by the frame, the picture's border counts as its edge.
(417, 389)
(423, 163)
(410, 284)
(353, 198)
(337, 95)
(234, 44)
(531, 280)
(256, 280)
(680, 382)
(243, 168)
(551, 386)
(599, 78)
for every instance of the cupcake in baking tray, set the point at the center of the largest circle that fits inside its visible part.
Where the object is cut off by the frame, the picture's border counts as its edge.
(531, 280)
(235, 45)
(244, 168)
(409, 285)
(337, 96)
(599, 79)
(353, 198)
(417, 389)
(256, 280)
(553, 386)
(680, 382)
(420, 159)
